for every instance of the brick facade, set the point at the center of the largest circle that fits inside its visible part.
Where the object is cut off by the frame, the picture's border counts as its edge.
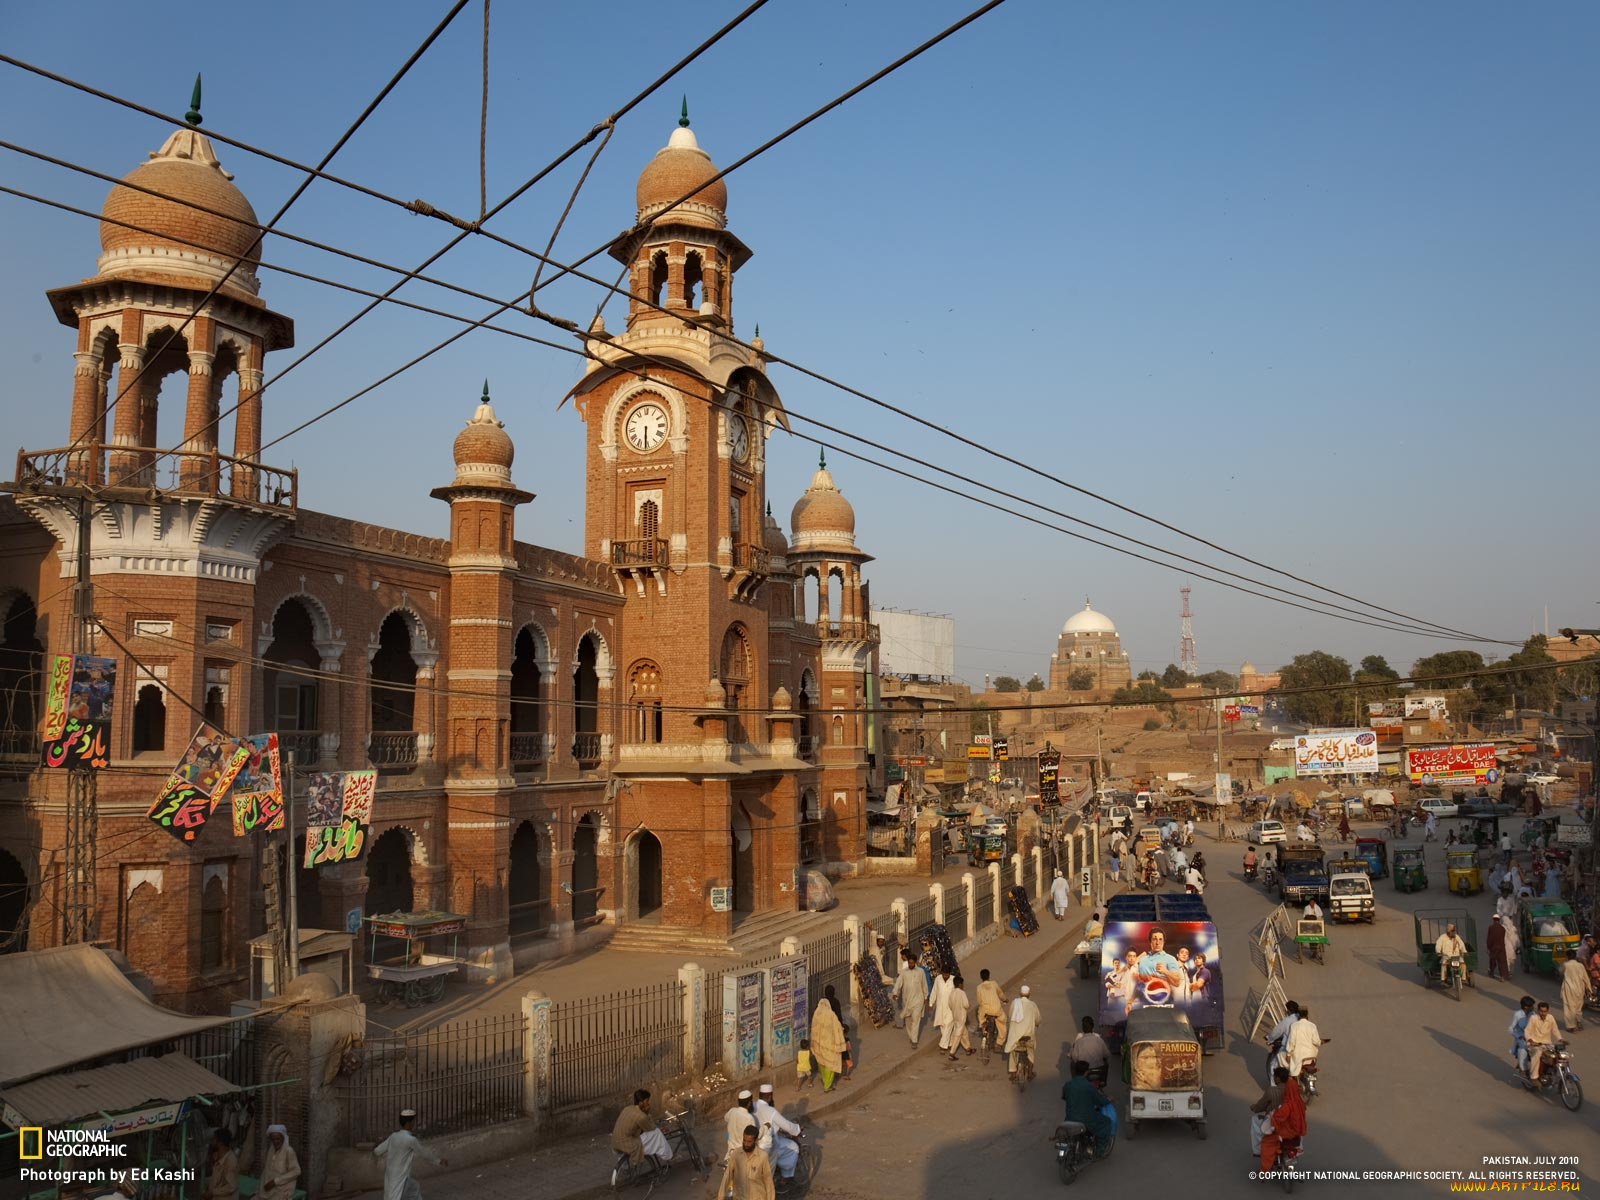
(563, 742)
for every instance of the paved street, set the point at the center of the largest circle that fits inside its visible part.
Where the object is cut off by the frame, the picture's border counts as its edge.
(1412, 1080)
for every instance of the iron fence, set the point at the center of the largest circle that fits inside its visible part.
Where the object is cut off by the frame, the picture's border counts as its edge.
(828, 962)
(459, 1076)
(711, 1017)
(955, 913)
(1030, 878)
(919, 916)
(604, 1046)
(983, 900)
(884, 924)
(226, 1050)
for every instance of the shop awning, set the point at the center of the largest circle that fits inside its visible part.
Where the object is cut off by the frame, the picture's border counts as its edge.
(71, 1004)
(145, 1083)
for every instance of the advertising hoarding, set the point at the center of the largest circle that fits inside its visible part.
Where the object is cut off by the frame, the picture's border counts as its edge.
(914, 644)
(1451, 764)
(1163, 964)
(1339, 752)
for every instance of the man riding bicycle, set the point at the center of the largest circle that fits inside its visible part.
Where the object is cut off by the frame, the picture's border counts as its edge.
(991, 1010)
(1023, 1031)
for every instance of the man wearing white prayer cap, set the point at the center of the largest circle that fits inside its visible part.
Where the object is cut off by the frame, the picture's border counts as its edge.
(777, 1134)
(398, 1150)
(280, 1172)
(742, 1114)
(1022, 1023)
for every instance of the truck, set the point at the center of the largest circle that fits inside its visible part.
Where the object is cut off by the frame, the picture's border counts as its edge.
(1160, 951)
(1302, 874)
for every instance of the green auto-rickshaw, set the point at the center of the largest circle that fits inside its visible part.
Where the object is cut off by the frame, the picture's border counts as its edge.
(1409, 872)
(1546, 926)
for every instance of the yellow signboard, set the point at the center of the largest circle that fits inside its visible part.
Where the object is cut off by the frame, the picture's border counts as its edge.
(977, 752)
(933, 775)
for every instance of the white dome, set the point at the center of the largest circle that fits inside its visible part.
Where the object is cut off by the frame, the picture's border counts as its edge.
(1088, 621)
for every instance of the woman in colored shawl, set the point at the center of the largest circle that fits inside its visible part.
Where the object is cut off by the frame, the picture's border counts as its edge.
(827, 1043)
(280, 1174)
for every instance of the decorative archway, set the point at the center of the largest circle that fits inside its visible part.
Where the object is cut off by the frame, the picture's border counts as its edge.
(525, 886)
(743, 860)
(642, 867)
(389, 885)
(586, 869)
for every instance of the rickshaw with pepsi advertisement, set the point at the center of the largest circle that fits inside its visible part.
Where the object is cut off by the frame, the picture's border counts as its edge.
(1160, 951)
(1162, 1064)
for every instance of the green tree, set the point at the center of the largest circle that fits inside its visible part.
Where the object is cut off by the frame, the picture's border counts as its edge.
(1035, 684)
(1172, 677)
(1522, 688)
(1151, 724)
(1448, 669)
(1318, 669)
(1375, 678)
(1081, 679)
(978, 722)
(1007, 683)
(1150, 675)
(1376, 666)
(1218, 681)
(1145, 693)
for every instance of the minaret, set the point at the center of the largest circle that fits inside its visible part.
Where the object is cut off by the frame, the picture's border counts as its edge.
(478, 779)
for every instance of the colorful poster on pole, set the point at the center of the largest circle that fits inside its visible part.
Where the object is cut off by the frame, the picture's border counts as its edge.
(338, 811)
(1049, 777)
(78, 706)
(198, 783)
(1341, 752)
(258, 790)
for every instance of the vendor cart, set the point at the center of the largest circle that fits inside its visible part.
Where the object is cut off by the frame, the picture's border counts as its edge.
(408, 970)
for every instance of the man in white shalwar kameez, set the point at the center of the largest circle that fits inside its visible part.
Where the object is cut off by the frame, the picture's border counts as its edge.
(398, 1150)
(911, 997)
(939, 1002)
(1060, 895)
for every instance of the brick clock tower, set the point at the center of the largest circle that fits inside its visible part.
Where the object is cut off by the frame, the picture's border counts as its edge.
(678, 415)
(483, 563)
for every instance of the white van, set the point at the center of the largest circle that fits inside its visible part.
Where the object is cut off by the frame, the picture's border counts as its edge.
(1141, 801)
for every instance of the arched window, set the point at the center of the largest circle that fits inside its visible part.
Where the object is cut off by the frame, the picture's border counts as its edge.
(658, 277)
(394, 677)
(21, 675)
(650, 520)
(838, 731)
(644, 698)
(150, 720)
(693, 278)
(290, 695)
(527, 708)
(586, 704)
(214, 923)
(735, 676)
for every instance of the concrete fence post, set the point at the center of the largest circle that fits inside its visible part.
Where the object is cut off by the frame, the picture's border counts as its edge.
(996, 892)
(1067, 841)
(1038, 872)
(858, 947)
(789, 945)
(936, 890)
(537, 1054)
(692, 978)
(972, 908)
(1016, 869)
(898, 907)
(1095, 831)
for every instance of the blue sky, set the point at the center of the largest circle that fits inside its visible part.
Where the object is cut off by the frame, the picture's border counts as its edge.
(1316, 282)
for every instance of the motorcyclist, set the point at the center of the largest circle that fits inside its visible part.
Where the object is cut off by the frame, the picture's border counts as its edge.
(1541, 1035)
(1250, 864)
(1090, 1048)
(1279, 1035)
(1084, 1103)
(778, 1136)
(1150, 874)
(1194, 882)
(1199, 864)
(1449, 945)
(1178, 861)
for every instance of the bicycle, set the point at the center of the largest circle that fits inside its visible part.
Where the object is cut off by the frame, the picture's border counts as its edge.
(988, 1038)
(805, 1169)
(1022, 1057)
(678, 1129)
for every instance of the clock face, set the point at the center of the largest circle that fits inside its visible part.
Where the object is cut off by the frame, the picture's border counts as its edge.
(646, 427)
(739, 432)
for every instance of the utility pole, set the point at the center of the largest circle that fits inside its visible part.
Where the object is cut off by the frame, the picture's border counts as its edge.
(78, 908)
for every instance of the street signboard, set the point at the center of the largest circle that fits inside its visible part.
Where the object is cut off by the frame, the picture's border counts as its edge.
(722, 899)
(979, 751)
(1574, 835)
(1049, 777)
(1451, 764)
(1002, 749)
(1337, 752)
(982, 739)
(1230, 712)
(1224, 786)
(1250, 710)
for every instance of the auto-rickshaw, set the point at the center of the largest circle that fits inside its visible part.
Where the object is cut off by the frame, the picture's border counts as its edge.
(1409, 872)
(1546, 926)
(1161, 1064)
(1376, 853)
(1347, 865)
(1429, 925)
(1463, 871)
(986, 844)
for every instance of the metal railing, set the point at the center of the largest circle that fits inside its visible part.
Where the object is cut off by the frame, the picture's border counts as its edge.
(919, 916)
(392, 752)
(586, 749)
(806, 746)
(639, 552)
(527, 749)
(847, 631)
(146, 468)
(983, 900)
(459, 1076)
(306, 744)
(955, 913)
(828, 962)
(605, 1046)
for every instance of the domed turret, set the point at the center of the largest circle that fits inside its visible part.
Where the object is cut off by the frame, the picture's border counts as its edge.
(483, 450)
(772, 536)
(678, 169)
(822, 516)
(187, 236)
(1088, 621)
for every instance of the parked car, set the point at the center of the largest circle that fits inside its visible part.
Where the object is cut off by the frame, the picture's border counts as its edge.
(1265, 832)
(1544, 777)
(1282, 744)
(1439, 806)
(1484, 806)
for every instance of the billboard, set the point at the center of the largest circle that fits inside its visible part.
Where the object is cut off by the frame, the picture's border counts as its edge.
(914, 644)
(1435, 707)
(1452, 764)
(1161, 964)
(1341, 752)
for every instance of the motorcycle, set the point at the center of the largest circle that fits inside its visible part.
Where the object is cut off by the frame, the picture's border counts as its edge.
(1250, 872)
(1283, 1166)
(1150, 877)
(1555, 1071)
(1075, 1147)
(1308, 1080)
(1269, 877)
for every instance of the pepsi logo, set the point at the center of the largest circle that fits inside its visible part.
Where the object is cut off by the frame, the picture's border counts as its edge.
(1156, 991)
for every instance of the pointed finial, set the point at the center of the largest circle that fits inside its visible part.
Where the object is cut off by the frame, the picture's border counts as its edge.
(758, 328)
(1086, 605)
(485, 391)
(193, 115)
(683, 119)
(822, 458)
(769, 509)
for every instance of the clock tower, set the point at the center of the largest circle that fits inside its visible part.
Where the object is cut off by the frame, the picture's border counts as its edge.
(677, 416)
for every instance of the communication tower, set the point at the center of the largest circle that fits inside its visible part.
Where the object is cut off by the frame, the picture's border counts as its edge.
(1188, 663)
